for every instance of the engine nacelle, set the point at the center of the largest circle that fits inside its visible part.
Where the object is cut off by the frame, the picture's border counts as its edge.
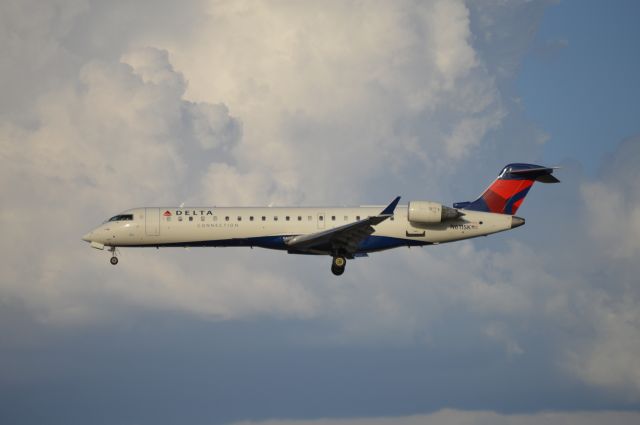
(431, 212)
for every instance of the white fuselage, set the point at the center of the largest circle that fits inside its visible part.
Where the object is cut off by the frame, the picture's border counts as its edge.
(270, 227)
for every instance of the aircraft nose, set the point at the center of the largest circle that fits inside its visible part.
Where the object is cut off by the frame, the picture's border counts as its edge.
(87, 237)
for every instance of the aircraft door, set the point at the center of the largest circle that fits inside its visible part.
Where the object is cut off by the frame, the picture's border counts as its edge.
(152, 221)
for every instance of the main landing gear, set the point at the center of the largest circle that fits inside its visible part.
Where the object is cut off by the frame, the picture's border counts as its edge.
(114, 259)
(337, 265)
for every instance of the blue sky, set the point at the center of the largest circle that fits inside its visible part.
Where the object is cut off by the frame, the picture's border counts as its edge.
(108, 106)
(577, 79)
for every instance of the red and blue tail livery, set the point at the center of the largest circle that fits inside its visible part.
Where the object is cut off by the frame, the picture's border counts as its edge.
(507, 192)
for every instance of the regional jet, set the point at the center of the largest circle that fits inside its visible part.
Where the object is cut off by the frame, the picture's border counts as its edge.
(343, 233)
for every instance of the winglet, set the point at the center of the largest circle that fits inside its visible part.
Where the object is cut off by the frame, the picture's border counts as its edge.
(391, 207)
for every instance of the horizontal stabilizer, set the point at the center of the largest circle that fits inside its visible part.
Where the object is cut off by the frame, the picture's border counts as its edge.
(547, 178)
(541, 174)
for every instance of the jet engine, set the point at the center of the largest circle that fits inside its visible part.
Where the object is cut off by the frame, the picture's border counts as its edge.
(431, 212)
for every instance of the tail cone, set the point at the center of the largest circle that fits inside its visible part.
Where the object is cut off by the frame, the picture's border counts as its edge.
(516, 222)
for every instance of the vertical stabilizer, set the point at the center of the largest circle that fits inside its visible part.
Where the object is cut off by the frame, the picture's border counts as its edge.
(507, 192)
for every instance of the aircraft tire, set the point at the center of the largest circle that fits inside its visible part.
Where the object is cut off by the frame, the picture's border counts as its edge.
(338, 265)
(114, 260)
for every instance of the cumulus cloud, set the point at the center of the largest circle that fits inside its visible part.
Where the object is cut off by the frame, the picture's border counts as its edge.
(305, 104)
(311, 99)
(612, 207)
(281, 101)
(318, 97)
(35, 59)
(212, 126)
(116, 137)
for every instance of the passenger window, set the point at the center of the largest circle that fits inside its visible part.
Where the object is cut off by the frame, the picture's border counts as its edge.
(201, 218)
(392, 217)
(333, 217)
(299, 218)
(287, 218)
(226, 218)
(320, 217)
(190, 218)
(275, 218)
(179, 218)
(357, 218)
(250, 218)
(239, 218)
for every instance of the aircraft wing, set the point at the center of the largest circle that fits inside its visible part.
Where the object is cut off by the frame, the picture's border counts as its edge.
(343, 239)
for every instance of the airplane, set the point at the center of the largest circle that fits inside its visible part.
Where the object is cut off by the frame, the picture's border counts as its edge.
(341, 232)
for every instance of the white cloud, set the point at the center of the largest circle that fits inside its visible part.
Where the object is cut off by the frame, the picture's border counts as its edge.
(116, 138)
(295, 103)
(34, 58)
(290, 103)
(222, 181)
(317, 96)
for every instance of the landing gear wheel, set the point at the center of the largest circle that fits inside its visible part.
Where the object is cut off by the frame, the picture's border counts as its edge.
(114, 259)
(337, 265)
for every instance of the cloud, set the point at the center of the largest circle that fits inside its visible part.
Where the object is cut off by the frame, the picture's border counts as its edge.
(35, 59)
(458, 417)
(317, 97)
(247, 103)
(117, 137)
(613, 203)
(280, 101)
(609, 357)
(212, 125)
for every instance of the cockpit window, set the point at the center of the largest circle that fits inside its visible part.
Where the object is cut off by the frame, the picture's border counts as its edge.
(122, 217)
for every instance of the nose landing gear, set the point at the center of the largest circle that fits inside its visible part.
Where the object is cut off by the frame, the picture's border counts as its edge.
(114, 259)
(337, 265)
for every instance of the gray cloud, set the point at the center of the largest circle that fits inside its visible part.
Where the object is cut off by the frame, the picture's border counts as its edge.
(244, 103)
(612, 208)
(457, 417)
(212, 125)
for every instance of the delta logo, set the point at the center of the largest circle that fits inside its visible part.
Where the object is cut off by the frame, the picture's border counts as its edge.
(167, 213)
